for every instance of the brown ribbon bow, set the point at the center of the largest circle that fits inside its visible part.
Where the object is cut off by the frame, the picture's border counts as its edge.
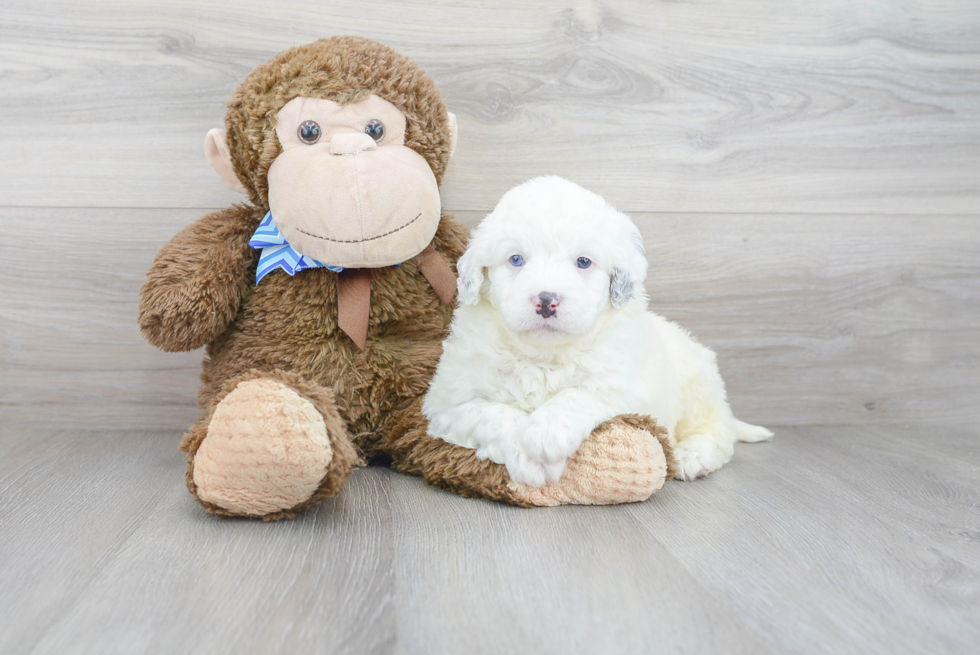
(354, 292)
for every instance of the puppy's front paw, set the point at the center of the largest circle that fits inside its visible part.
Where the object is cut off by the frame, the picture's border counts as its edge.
(554, 470)
(697, 456)
(549, 438)
(523, 469)
(624, 461)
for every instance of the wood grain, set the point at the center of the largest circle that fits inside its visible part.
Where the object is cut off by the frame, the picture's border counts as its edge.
(484, 578)
(831, 319)
(68, 503)
(105, 551)
(868, 111)
(805, 176)
(841, 319)
(764, 106)
(868, 535)
(827, 540)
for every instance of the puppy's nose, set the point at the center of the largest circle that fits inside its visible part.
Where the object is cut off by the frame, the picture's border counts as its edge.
(351, 143)
(547, 303)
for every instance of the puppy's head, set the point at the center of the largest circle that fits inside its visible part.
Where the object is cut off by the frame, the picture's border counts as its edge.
(551, 258)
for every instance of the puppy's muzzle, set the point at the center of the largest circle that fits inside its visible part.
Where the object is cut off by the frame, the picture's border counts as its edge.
(546, 303)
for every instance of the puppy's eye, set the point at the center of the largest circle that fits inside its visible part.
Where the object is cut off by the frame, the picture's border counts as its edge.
(583, 262)
(308, 132)
(516, 260)
(375, 129)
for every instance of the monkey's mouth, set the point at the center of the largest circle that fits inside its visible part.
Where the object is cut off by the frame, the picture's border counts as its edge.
(374, 238)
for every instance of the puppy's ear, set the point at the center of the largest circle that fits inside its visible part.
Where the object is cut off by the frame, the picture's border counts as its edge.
(472, 283)
(621, 287)
(470, 277)
(630, 272)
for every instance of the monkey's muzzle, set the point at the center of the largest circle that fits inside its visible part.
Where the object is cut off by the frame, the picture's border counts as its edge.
(351, 203)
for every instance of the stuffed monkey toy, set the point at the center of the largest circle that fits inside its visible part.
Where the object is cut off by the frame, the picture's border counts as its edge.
(324, 300)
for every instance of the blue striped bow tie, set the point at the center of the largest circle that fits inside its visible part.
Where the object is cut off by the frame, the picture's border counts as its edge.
(277, 253)
(353, 306)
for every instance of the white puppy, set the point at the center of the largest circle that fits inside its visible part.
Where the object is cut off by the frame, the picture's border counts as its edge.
(553, 337)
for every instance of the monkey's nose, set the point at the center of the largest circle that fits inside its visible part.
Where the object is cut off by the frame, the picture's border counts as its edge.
(547, 303)
(351, 143)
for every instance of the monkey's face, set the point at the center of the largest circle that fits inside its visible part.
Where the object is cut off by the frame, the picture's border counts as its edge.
(351, 179)
(346, 190)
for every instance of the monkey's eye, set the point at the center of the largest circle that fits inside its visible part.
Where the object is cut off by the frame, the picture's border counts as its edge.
(308, 132)
(375, 129)
(583, 262)
(516, 260)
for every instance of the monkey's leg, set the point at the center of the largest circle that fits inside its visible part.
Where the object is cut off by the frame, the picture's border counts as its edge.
(271, 445)
(625, 460)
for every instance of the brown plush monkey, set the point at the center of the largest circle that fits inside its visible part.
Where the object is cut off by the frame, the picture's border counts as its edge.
(323, 303)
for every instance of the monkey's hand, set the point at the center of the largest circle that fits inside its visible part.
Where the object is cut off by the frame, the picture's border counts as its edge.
(197, 280)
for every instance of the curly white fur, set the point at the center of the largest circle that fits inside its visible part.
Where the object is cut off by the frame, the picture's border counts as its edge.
(525, 388)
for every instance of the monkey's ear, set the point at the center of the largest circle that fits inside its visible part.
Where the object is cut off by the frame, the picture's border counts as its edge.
(453, 133)
(216, 150)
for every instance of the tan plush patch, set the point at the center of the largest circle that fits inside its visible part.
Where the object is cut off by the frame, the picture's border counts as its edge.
(619, 463)
(266, 450)
(371, 208)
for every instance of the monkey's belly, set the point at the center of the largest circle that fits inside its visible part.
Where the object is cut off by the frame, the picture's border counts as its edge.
(290, 323)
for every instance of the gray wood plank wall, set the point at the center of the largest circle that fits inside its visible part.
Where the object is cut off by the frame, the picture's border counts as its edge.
(806, 176)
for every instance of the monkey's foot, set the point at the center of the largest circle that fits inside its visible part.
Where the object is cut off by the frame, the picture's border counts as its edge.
(624, 460)
(268, 452)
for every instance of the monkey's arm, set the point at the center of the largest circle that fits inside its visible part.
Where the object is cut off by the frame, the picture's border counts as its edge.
(197, 280)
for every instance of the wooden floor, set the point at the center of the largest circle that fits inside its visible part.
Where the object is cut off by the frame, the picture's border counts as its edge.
(827, 540)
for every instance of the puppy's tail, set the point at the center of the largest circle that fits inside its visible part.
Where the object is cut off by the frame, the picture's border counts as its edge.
(751, 433)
